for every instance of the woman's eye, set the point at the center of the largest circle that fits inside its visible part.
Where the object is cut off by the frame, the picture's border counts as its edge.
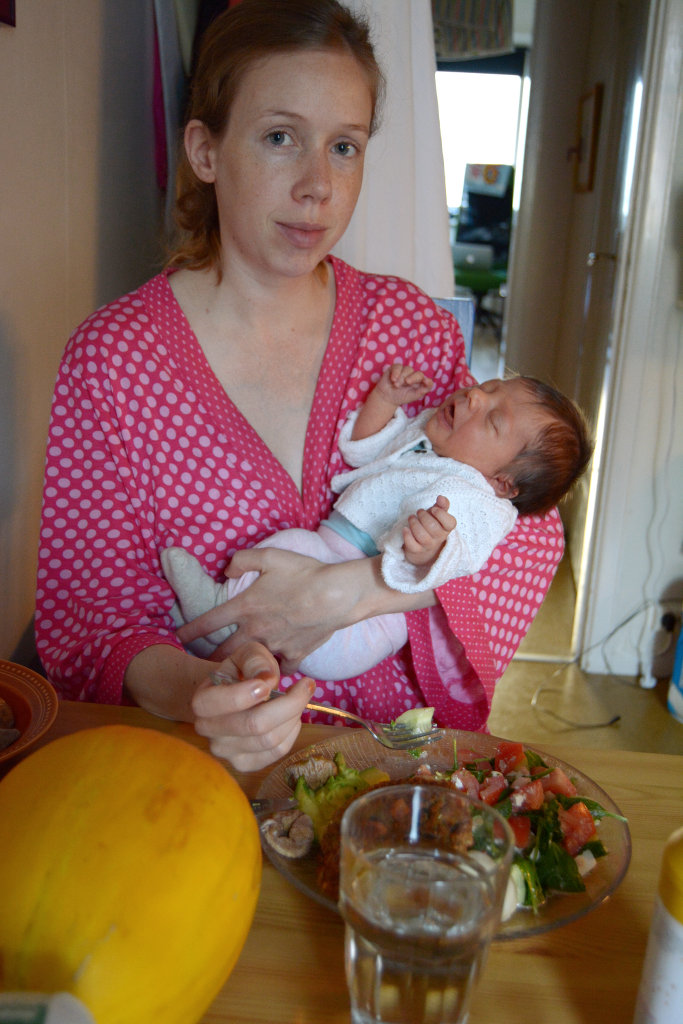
(346, 148)
(278, 137)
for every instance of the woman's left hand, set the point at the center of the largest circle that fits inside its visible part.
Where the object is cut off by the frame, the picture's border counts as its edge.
(292, 608)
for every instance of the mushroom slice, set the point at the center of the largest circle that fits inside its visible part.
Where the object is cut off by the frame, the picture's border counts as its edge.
(289, 833)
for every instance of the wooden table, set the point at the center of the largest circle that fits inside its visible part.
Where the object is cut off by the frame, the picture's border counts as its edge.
(291, 969)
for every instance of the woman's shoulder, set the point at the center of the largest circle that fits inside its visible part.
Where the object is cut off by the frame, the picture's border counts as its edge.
(130, 322)
(379, 287)
(136, 309)
(390, 297)
(396, 321)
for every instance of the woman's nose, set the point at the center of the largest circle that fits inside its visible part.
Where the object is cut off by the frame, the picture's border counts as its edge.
(314, 181)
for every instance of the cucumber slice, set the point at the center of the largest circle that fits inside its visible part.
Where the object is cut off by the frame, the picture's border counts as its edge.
(417, 720)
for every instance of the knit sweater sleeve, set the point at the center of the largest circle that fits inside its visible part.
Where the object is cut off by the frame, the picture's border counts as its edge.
(482, 521)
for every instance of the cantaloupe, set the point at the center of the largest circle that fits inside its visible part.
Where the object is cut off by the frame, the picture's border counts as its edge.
(130, 866)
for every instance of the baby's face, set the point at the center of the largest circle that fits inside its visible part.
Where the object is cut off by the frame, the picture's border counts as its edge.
(487, 426)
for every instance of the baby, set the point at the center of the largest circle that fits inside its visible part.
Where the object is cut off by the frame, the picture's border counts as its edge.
(434, 495)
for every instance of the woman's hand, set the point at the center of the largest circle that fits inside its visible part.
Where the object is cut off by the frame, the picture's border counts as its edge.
(298, 602)
(243, 726)
(290, 608)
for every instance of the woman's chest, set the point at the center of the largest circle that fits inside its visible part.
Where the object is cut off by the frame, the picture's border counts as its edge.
(274, 391)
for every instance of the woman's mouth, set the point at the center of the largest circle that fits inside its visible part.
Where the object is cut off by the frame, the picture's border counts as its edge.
(302, 234)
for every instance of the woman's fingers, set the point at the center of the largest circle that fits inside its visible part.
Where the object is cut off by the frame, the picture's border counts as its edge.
(243, 760)
(254, 661)
(232, 611)
(242, 725)
(248, 675)
(291, 607)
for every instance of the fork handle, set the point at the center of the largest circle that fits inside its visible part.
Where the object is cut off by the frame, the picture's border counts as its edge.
(325, 708)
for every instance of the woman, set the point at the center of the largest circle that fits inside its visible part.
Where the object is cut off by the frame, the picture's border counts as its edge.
(204, 409)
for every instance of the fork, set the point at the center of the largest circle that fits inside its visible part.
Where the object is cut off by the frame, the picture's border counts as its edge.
(396, 737)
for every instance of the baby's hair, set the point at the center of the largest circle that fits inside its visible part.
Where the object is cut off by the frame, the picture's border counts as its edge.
(546, 470)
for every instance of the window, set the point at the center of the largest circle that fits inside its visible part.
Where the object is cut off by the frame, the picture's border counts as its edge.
(481, 122)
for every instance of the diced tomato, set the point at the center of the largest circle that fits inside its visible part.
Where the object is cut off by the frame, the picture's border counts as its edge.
(465, 781)
(521, 829)
(577, 827)
(493, 786)
(509, 757)
(558, 782)
(527, 797)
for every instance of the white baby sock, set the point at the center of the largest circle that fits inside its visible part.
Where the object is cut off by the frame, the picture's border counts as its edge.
(196, 591)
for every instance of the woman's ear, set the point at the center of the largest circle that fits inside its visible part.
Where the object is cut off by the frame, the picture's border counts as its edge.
(504, 485)
(200, 148)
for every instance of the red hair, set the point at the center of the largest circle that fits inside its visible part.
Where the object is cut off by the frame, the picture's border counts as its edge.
(241, 35)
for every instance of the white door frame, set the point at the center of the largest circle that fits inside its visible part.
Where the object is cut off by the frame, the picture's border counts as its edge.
(635, 548)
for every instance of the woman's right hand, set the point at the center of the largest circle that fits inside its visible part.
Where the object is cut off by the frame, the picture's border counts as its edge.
(242, 725)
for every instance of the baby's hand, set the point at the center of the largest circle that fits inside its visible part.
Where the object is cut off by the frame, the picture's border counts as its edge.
(426, 532)
(402, 384)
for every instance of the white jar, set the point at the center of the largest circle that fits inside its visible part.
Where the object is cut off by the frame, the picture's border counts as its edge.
(660, 998)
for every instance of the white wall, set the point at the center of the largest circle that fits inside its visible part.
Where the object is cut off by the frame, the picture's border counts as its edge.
(78, 223)
(638, 552)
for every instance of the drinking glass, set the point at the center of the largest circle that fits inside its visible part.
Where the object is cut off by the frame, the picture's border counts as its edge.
(423, 875)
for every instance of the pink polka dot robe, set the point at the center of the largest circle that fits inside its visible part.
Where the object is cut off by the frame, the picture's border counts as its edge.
(146, 450)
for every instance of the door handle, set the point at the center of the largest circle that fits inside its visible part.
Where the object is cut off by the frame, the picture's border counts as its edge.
(593, 257)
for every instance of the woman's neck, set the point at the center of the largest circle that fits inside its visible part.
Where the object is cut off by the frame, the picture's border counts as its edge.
(266, 348)
(243, 298)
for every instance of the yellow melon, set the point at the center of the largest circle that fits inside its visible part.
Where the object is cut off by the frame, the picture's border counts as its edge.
(130, 867)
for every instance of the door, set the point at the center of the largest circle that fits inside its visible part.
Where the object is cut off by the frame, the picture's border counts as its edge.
(586, 63)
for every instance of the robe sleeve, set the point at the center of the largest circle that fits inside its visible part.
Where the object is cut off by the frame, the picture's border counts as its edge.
(108, 600)
(461, 647)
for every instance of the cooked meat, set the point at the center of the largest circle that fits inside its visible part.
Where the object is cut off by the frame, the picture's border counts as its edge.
(315, 770)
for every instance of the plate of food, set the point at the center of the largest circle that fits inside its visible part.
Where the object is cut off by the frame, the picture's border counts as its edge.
(573, 845)
(28, 707)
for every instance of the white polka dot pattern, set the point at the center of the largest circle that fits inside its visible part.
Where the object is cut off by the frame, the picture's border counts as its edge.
(146, 450)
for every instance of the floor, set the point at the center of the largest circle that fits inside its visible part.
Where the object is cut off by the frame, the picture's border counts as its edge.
(540, 699)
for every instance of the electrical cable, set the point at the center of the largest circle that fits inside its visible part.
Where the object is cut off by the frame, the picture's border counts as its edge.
(544, 688)
(561, 718)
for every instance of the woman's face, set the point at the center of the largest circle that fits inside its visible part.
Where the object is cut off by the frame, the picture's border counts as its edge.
(288, 168)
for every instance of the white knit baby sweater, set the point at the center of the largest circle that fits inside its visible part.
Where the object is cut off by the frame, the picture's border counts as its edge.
(392, 481)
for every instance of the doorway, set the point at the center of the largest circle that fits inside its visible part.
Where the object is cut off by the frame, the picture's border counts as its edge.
(482, 113)
(568, 241)
(569, 237)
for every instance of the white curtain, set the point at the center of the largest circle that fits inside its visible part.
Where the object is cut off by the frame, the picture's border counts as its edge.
(400, 225)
